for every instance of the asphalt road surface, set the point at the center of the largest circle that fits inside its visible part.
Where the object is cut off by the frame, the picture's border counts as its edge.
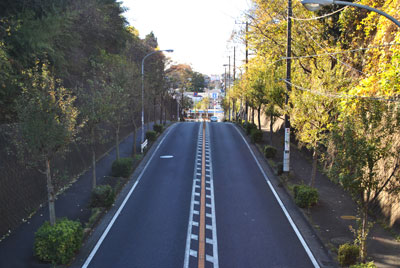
(202, 200)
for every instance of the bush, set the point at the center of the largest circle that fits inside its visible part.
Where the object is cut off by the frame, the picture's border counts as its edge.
(158, 128)
(348, 254)
(269, 151)
(279, 166)
(364, 265)
(256, 136)
(151, 135)
(305, 196)
(122, 167)
(249, 127)
(59, 243)
(102, 196)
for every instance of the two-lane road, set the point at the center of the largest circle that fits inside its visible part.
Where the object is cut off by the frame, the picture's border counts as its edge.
(201, 201)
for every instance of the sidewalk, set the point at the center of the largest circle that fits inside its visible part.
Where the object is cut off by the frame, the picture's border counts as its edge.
(326, 216)
(16, 251)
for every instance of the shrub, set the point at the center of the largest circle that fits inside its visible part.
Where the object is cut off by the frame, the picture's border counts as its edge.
(122, 167)
(94, 216)
(151, 135)
(348, 254)
(102, 196)
(364, 265)
(158, 128)
(256, 136)
(269, 151)
(279, 166)
(305, 196)
(59, 243)
(249, 127)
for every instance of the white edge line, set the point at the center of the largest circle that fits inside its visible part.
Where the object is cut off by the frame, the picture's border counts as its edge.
(189, 231)
(213, 212)
(100, 241)
(296, 230)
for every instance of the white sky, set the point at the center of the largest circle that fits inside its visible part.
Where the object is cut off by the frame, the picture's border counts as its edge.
(198, 31)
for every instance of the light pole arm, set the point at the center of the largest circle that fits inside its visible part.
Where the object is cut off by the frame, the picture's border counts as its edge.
(314, 5)
(344, 3)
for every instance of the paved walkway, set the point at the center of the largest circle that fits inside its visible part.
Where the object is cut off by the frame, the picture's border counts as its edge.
(16, 251)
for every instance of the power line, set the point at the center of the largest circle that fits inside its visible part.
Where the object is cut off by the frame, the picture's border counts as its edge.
(341, 96)
(342, 52)
(345, 64)
(317, 18)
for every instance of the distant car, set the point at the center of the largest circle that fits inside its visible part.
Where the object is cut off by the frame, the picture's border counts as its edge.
(214, 119)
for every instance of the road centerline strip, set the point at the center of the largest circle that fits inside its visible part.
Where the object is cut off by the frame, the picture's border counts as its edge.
(195, 252)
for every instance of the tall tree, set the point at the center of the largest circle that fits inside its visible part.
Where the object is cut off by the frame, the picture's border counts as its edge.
(47, 117)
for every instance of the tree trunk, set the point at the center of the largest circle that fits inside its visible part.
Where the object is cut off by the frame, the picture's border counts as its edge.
(271, 128)
(247, 112)
(314, 168)
(161, 110)
(94, 184)
(259, 117)
(50, 194)
(252, 115)
(94, 181)
(148, 120)
(134, 138)
(364, 233)
(155, 110)
(165, 114)
(117, 141)
(233, 110)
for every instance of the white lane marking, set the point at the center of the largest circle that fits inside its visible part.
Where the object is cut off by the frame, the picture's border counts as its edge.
(166, 156)
(213, 217)
(103, 236)
(210, 204)
(296, 230)
(193, 253)
(194, 237)
(189, 252)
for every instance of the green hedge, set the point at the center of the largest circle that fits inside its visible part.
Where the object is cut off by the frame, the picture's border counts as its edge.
(59, 243)
(151, 135)
(269, 151)
(305, 196)
(102, 196)
(279, 167)
(249, 127)
(158, 128)
(122, 167)
(256, 136)
(348, 254)
(364, 265)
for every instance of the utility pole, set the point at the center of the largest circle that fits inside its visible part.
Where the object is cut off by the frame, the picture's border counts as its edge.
(229, 87)
(247, 61)
(286, 152)
(234, 78)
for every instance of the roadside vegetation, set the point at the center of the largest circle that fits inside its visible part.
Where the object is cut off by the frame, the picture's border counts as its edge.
(70, 76)
(343, 104)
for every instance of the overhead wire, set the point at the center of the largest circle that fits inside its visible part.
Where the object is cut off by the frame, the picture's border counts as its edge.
(341, 52)
(340, 96)
(320, 17)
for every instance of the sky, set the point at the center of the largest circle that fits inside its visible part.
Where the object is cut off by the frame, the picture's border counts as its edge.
(197, 31)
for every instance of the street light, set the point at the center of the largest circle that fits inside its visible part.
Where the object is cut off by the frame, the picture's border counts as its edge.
(315, 5)
(151, 53)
